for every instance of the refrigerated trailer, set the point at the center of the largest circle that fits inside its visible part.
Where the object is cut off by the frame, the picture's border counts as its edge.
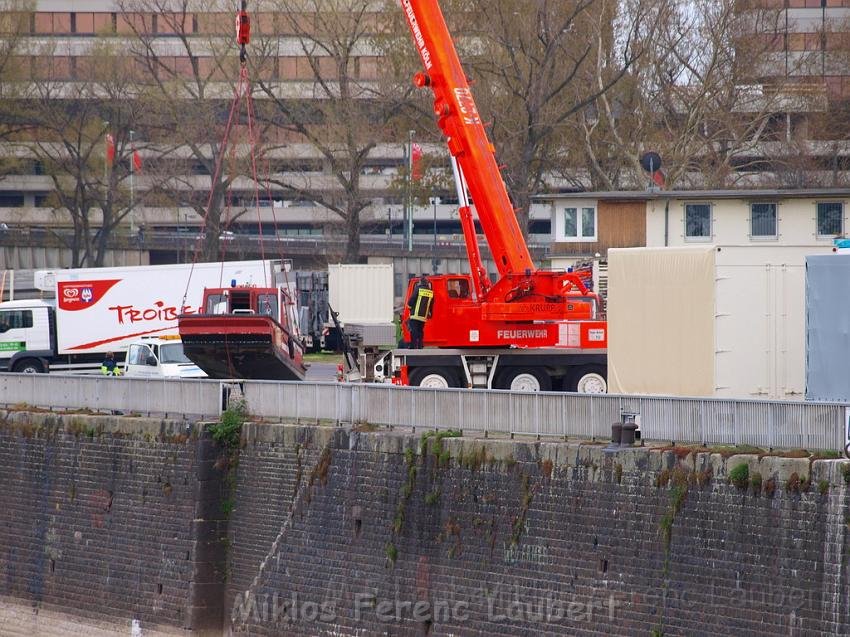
(98, 310)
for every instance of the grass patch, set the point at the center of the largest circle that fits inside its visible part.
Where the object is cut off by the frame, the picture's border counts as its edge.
(228, 430)
(391, 552)
(680, 451)
(756, 482)
(740, 476)
(323, 357)
(437, 436)
(826, 454)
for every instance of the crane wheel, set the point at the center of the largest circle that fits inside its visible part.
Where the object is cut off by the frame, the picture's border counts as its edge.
(434, 377)
(524, 379)
(591, 379)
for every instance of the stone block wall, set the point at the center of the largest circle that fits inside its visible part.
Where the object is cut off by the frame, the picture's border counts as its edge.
(110, 525)
(505, 538)
(107, 522)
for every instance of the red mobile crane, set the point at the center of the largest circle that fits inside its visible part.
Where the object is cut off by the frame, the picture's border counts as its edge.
(530, 329)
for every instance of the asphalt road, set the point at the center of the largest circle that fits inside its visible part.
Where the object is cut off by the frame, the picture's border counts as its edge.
(321, 372)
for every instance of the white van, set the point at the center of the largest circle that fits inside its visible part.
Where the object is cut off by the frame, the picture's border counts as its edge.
(160, 357)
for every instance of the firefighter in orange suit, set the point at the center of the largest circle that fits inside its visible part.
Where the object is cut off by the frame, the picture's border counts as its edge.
(421, 305)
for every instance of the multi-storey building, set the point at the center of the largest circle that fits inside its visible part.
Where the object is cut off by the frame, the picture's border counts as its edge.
(60, 45)
(807, 54)
(804, 55)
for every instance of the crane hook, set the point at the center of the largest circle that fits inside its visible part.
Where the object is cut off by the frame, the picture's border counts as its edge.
(243, 31)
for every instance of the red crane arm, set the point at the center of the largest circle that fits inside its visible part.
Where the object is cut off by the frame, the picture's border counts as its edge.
(460, 122)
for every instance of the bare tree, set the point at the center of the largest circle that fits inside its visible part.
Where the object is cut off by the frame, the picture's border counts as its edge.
(189, 79)
(328, 92)
(534, 65)
(72, 122)
(698, 95)
(15, 16)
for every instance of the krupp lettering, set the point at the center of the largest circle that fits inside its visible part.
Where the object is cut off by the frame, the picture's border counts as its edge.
(160, 312)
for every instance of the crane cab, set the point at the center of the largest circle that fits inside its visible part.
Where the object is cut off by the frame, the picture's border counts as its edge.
(506, 318)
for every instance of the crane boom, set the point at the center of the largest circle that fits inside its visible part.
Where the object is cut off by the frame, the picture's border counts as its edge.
(458, 118)
(525, 307)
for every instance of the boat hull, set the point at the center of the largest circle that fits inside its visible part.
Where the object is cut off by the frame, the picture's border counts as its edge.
(252, 347)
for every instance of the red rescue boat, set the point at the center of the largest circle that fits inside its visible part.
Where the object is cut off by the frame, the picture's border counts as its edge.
(245, 332)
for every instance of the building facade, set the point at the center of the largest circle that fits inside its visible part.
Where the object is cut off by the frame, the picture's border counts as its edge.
(59, 46)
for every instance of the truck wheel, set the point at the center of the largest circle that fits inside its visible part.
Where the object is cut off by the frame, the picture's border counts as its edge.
(524, 379)
(29, 366)
(589, 380)
(434, 377)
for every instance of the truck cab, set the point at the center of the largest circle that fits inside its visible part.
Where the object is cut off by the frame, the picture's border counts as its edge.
(160, 357)
(26, 336)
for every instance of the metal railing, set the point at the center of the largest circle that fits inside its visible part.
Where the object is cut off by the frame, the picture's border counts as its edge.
(712, 421)
(173, 398)
(451, 245)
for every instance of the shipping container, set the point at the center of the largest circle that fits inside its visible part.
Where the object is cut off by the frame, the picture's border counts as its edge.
(708, 321)
(828, 327)
(361, 293)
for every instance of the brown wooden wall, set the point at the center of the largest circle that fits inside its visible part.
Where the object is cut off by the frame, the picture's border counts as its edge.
(622, 224)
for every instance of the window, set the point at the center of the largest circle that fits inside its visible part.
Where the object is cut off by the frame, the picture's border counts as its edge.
(15, 319)
(11, 200)
(538, 226)
(580, 224)
(172, 353)
(267, 304)
(137, 354)
(458, 288)
(698, 221)
(763, 220)
(217, 304)
(830, 219)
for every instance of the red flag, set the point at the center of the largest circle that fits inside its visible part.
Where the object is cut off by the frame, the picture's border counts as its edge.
(137, 161)
(110, 149)
(658, 178)
(415, 162)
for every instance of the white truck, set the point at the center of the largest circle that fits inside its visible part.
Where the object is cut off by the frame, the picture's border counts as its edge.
(99, 310)
(159, 357)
